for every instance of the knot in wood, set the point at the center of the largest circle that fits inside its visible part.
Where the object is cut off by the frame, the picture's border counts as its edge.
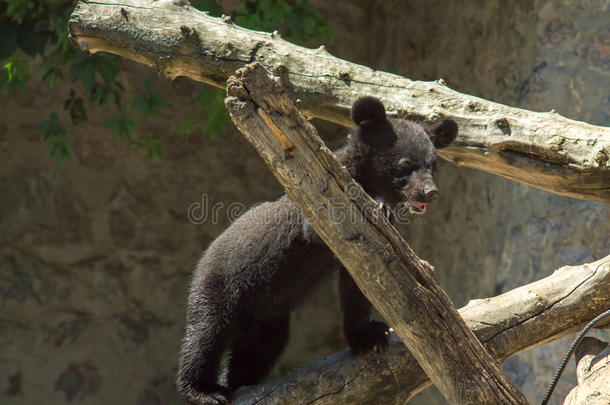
(504, 125)
(345, 77)
(501, 122)
(474, 106)
(188, 32)
(280, 70)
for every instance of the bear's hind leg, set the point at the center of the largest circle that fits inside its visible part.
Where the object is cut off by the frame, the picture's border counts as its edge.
(256, 350)
(204, 343)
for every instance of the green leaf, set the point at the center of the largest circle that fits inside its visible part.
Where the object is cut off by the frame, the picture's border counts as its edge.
(50, 75)
(61, 51)
(19, 9)
(121, 126)
(210, 6)
(152, 144)
(85, 68)
(83, 71)
(76, 109)
(155, 150)
(185, 127)
(14, 75)
(148, 103)
(56, 136)
(107, 66)
(298, 20)
(217, 118)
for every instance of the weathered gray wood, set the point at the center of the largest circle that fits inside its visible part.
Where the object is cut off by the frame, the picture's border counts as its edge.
(593, 374)
(398, 283)
(517, 320)
(543, 150)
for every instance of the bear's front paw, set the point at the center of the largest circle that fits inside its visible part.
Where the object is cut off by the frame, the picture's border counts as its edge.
(373, 336)
(218, 395)
(386, 211)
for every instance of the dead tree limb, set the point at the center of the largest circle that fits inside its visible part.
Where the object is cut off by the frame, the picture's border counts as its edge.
(592, 374)
(544, 150)
(515, 321)
(398, 283)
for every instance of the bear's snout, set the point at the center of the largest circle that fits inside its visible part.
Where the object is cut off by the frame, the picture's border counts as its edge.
(430, 192)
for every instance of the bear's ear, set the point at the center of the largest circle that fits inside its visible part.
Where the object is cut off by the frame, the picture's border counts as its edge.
(373, 127)
(443, 133)
(368, 112)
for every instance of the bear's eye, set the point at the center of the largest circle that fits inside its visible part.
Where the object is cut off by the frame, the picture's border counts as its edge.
(408, 169)
(404, 168)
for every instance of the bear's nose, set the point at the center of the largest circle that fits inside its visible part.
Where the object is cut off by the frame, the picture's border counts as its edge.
(430, 192)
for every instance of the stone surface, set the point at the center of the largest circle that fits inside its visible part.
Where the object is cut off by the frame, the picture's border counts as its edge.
(96, 254)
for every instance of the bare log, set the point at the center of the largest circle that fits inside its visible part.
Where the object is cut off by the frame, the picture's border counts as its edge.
(544, 150)
(592, 374)
(398, 283)
(515, 321)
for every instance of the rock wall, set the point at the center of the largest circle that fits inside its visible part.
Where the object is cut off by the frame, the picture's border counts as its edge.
(486, 234)
(96, 254)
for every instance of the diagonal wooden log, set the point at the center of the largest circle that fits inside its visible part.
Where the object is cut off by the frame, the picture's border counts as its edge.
(544, 150)
(515, 321)
(398, 283)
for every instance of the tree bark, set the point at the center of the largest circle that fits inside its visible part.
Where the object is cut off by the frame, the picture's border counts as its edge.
(398, 283)
(518, 320)
(592, 374)
(544, 150)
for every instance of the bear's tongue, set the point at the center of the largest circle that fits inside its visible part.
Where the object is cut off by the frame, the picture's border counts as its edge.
(419, 205)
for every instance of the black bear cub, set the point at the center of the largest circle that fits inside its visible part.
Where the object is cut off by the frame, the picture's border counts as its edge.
(268, 260)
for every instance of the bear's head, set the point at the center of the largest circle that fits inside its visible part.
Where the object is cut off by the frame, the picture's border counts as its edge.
(394, 159)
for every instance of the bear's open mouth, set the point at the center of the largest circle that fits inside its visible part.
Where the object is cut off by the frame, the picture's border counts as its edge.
(416, 207)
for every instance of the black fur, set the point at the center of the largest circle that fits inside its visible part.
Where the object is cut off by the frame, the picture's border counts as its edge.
(267, 261)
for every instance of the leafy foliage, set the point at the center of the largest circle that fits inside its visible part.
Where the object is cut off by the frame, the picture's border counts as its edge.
(297, 20)
(148, 103)
(76, 108)
(57, 137)
(35, 45)
(16, 76)
(213, 102)
(121, 126)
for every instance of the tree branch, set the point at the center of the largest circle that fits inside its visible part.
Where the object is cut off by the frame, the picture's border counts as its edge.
(515, 321)
(544, 150)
